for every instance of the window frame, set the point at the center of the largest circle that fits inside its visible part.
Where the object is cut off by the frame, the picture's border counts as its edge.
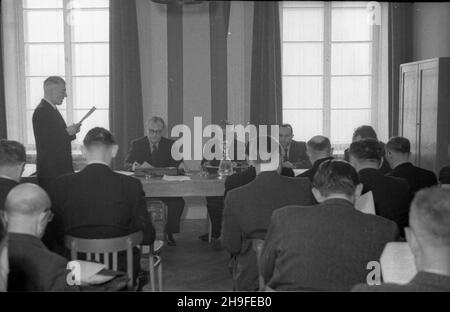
(327, 76)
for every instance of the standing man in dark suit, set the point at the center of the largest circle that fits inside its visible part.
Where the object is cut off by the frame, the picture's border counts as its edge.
(98, 202)
(429, 240)
(12, 164)
(293, 152)
(248, 210)
(156, 150)
(324, 247)
(319, 150)
(398, 152)
(391, 195)
(32, 266)
(53, 137)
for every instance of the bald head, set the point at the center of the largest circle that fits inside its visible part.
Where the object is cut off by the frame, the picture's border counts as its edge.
(27, 199)
(318, 147)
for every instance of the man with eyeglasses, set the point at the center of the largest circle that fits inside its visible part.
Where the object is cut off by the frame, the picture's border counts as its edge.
(156, 150)
(32, 267)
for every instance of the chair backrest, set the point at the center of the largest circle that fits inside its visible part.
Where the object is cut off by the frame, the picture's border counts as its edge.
(257, 245)
(105, 246)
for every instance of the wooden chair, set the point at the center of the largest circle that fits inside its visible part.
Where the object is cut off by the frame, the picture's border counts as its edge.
(93, 248)
(257, 246)
(155, 207)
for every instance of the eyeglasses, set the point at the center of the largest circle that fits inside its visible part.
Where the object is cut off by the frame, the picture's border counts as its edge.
(153, 132)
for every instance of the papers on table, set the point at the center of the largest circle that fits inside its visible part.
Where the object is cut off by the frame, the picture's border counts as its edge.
(397, 263)
(145, 165)
(299, 171)
(365, 203)
(175, 178)
(127, 173)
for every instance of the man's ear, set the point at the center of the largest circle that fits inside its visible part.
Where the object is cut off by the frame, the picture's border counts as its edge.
(358, 190)
(83, 150)
(411, 238)
(318, 196)
(114, 150)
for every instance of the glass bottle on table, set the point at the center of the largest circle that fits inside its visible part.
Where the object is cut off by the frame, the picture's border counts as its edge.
(225, 165)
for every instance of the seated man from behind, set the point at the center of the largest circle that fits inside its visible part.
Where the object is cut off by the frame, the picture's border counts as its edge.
(248, 210)
(324, 247)
(391, 195)
(32, 267)
(319, 150)
(156, 150)
(367, 132)
(398, 152)
(429, 239)
(98, 202)
(12, 164)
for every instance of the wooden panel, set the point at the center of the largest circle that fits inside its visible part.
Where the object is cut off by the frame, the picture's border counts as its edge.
(443, 125)
(428, 80)
(409, 107)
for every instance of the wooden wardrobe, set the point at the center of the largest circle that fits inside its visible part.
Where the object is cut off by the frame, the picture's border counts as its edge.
(425, 111)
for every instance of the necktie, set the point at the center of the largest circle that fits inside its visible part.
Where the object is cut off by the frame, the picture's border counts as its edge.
(154, 149)
(285, 156)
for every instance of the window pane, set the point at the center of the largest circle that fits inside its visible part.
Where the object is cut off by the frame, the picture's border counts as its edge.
(91, 59)
(90, 26)
(348, 4)
(302, 24)
(302, 92)
(91, 91)
(100, 118)
(306, 123)
(350, 92)
(350, 25)
(344, 122)
(350, 59)
(302, 4)
(35, 92)
(302, 58)
(43, 26)
(90, 3)
(42, 4)
(44, 59)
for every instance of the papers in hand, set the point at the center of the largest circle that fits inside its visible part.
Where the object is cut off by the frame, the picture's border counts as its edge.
(397, 263)
(365, 203)
(88, 273)
(175, 178)
(89, 113)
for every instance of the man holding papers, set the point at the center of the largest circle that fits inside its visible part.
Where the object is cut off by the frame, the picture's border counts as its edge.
(53, 137)
(155, 150)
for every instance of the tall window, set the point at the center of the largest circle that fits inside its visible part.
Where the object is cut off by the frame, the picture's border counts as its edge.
(68, 39)
(329, 67)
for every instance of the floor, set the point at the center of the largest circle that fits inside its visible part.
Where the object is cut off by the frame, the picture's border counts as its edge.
(193, 265)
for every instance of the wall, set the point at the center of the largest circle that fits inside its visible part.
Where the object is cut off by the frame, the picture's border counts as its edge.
(431, 30)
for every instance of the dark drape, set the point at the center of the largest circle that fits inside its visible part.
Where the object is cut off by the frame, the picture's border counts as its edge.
(125, 111)
(400, 51)
(219, 14)
(3, 134)
(265, 103)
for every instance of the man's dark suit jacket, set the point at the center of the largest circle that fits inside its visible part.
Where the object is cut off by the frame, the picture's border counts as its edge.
(423, 281)
(6, 185)
(297, 155)
(391, 195)
(33, 267)
(247, 214)
(324, 247)
(416, 177)
(140, 151)
(53, 147)
(311, 172)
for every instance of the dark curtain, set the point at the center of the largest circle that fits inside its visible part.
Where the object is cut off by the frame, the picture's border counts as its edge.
(125, 110)
(219, 14)
(400, 51)
(3, 134)
(265, 103)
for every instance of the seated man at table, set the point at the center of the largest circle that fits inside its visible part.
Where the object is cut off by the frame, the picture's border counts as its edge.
(32, 267)
(293, 152)
(248, 210)
(156, 150)
(319, 150)
(429, 239)
(324, 247)
(12, 164)
(98, 202)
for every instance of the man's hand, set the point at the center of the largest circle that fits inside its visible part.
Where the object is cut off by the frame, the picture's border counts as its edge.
(288, 164)
(73, 129)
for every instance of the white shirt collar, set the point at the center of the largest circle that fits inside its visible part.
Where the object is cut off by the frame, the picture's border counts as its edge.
(49, 102)
(99, 162)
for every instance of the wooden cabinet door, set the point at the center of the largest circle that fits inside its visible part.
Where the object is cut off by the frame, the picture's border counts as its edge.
(428, 103)
(409, 107)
